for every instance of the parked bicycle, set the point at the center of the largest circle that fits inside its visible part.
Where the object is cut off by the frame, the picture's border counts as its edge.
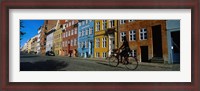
(114, 60)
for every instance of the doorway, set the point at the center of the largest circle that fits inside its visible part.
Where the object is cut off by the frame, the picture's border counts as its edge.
(157, 41)
(111, 43)
(175, 40)
(144, 53)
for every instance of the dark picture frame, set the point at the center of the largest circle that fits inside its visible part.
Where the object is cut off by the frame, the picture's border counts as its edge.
(99, 4)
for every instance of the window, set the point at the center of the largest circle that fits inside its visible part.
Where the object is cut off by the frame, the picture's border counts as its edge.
(63, 44)
(104, 24)
(79, 35)
(143, 34)
(64, 26)
(104, 42)
(72, 42)
(79, 23)
(60, 44)
(86, 32)
(131, 20)
(86, 44)
(97, 26)
(83, 23)
(122, 34)
(79, 45)
(72, 32)
(97, 42)
(63, 35)
(82, 32)
(83, 44)
(66, 34)
(75, 42)
(122, 21)
(132, 35)
(97, 54)
(72, 22)
(86, 21)
(75, 31)
(69, 42)
(69, 24)
(69, 33)
(90, 30)
(112, 23)
(134, 53)
(104, 54)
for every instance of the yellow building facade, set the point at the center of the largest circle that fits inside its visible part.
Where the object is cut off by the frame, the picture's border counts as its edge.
(57, 46)
(105, 37)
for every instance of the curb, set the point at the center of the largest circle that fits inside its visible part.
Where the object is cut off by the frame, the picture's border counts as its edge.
(140, 63)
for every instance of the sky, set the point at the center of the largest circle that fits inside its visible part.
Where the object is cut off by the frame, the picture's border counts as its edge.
(30, 28)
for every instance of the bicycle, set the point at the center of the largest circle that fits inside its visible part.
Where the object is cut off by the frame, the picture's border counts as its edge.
(131, 62)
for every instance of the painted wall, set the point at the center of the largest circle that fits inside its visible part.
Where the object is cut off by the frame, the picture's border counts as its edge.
(43, 40)
(86, 35)
(147, 24)
(70, 38)
(58, 39)
(172, 26)
(102, 34)
(49, 42)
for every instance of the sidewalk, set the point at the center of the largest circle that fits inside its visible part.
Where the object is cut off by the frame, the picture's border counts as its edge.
(140, 63)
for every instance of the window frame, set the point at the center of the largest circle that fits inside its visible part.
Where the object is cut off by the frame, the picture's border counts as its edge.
(66, 34)
(122, 34)
(131, 20)
(104, 42)
(122, 22)
(112, 23)
(142, 34)
(133, 34)
(97, 40)
(98, 26)
(104, 24)
(104, 55)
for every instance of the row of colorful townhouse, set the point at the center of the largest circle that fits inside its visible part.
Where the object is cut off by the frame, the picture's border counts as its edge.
(149, 40)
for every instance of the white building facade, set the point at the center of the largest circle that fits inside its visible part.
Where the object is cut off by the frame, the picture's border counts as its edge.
(49, 42)
(38, 40)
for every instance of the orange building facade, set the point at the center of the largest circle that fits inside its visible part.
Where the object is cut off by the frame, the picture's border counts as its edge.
(147, 39)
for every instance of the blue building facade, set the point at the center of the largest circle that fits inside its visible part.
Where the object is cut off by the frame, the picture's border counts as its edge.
(86, 38)
(173, 39)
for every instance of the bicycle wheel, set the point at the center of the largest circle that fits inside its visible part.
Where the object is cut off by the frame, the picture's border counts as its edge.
(107, 59)
(131, 63)
(113, 61)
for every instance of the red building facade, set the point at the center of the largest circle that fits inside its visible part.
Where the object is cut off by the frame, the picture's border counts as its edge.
(69, 35)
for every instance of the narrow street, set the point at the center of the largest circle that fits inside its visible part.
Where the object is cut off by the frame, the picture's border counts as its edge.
(58, 63)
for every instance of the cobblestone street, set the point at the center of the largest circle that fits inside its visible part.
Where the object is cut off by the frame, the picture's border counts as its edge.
(58, 63)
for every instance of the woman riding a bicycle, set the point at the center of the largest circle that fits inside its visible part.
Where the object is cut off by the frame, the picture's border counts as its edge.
(129, 61)
(125, 49)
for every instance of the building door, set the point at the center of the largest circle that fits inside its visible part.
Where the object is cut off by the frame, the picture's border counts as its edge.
(90, 49)
(157, 41)
(144, 53)
(111, 43)
(68, 49)
(175, 40)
